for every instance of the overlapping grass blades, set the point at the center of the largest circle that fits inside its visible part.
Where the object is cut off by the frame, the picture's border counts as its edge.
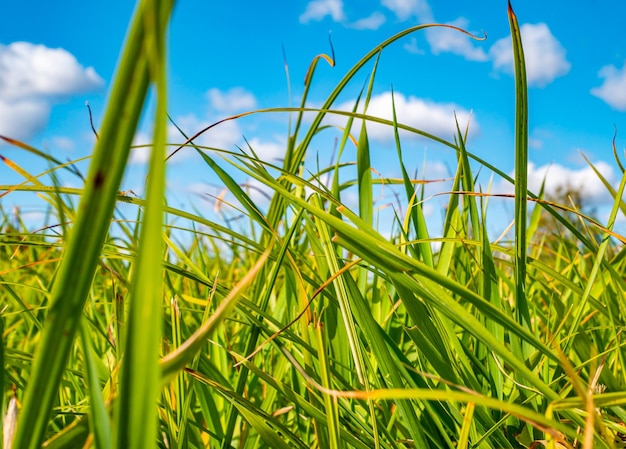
(311, 329)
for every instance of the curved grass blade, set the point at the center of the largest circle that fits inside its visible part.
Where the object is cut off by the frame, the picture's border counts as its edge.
(175, 361)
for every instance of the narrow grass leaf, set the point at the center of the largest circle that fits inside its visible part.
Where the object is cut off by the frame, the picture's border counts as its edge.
(140, 377)
(99, 421)
(87, 236)
(521, 171)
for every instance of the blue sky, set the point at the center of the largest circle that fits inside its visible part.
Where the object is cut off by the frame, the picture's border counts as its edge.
(227, 57)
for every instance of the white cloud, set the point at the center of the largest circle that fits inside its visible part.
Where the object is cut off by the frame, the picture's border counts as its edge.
(446, 40)
(32, 77)
(231, 101)
(545, 56)
(140, 153)
(28, 70)
(224, 136)
(371, 22)
(408, 9)
(57, 143)
(613, 89)
(318, 9)
(435, 118)
(267, 151)
(559, 178)
(23, 119)
(412, 47)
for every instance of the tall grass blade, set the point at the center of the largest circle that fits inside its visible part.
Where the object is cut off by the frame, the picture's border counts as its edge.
(599, 259)
(87, 235)
(99, 421)
(521, 170)
(140, 381)
(415, 211)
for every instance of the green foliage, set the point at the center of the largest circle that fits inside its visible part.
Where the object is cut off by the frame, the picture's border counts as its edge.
(306, 327)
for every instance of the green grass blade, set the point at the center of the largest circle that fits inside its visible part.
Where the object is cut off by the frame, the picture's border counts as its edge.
(330, 403)
(599, 257)
(415, 207)
(86, 237)
(521, 171)
(364, 175)
(141, 378)
(99, 421)
(2, 388)
(607, 185)
(467, 425)
(175, 361)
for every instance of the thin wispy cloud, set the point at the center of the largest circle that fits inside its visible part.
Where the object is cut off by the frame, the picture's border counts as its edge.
(231, 101)
(413, 47)
(317, 10)
(447, 40)
(545, 56)
(613, 88)
(371, 22)
(409, 9)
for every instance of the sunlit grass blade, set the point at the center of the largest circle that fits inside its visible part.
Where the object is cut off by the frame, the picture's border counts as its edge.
(332, 418)
(140, 381)
(607, 185)
(599, 259)
(467, 425)
(87, 235)
(345, 307)
(175, 361)
(263, 293)
(99, 421)
(415, 210)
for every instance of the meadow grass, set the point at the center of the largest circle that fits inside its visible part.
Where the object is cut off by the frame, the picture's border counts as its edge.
(304, 327)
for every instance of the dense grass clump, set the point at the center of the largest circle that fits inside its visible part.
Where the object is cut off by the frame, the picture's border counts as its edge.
(306, 327)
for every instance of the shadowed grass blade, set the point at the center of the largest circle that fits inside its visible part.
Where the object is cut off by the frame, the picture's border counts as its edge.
(521, 170)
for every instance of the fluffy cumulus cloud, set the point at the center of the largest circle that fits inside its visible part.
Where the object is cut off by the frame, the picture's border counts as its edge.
(559, 178)
(32, 77)
(434, 118)
(318, 9)
(410, 9)
(545, 56)
(613, 89)
(446, 40)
